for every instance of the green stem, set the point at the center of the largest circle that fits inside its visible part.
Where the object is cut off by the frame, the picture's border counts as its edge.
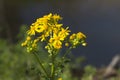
(52, 71)
(39, 61)
(67, 52)
(53, 67)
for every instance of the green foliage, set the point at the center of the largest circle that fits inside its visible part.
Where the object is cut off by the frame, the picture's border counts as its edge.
(90, 71)
(15, 64)
(67, 74)
(9, 62)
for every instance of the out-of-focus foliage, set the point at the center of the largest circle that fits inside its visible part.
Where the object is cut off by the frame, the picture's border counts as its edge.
(12, 62)
(15, 63)
(90, 71)
(67, 74)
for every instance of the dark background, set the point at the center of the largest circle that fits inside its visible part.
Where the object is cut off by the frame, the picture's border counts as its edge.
(98, 19)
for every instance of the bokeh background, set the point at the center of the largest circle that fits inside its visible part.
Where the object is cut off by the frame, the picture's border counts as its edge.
(98, 19)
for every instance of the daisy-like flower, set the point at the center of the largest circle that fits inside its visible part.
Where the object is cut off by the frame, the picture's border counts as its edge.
(80, 35)
(56, 41)
(64, 32)
(57, 44)
(56, 17)
(31, 31)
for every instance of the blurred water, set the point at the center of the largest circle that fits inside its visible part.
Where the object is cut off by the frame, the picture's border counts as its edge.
(98, 19)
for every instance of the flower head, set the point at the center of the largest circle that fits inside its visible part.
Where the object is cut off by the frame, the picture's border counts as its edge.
(78, 38)
(31, 31)
(47, 29)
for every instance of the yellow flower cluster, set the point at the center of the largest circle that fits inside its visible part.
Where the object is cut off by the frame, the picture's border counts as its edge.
(78, 38)
(30, 44)
(49, 30)
(58, 37)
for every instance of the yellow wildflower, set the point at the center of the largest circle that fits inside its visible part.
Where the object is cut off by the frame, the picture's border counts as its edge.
(56, 17)
(58, 37)
(80, 35)
(56, 41)
(40, 26)
(48, 29)
(42, 37)
(58, 25)
(24, 43)
(78, 38)
(57, 44)
(39, 29)
(55, 30)
(72, 36)
(36, 40)
(34, 45)
(47, 17)
(31, 31)
(28, 38)
(64, 32)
